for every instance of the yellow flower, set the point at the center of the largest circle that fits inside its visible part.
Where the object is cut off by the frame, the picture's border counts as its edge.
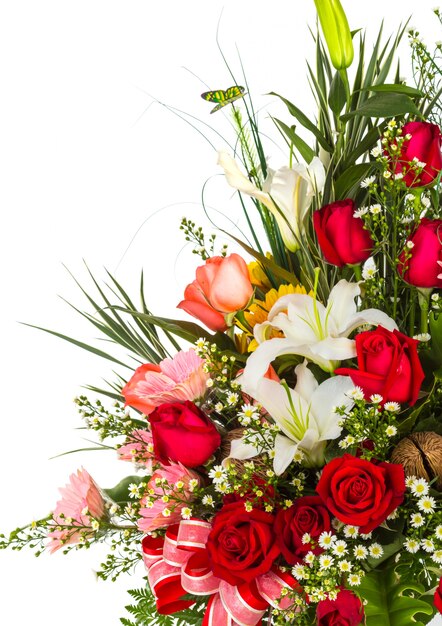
(258, 311)
(257, 275)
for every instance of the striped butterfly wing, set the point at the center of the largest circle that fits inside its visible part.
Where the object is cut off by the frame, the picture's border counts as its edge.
(222, 97)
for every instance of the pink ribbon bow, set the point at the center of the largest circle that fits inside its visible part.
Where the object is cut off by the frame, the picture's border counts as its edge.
(179, 564)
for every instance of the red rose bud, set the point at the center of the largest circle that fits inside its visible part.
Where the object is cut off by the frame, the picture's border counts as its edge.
(341, 236)
(424, 146)
(346, 610)
(241, 544)
(307, 515)
(182, 433)
(438, 597)
(361, 493)
(418, 264)
(388, 365)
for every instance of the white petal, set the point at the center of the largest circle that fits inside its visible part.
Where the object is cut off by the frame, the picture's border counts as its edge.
(335, 349)
(259, 361)
(239, 181)
(316, 173)
(330, 394)
(241, 450)
(342, 302)
(284, 452)
(306, 383)
(372, 317)
(285, 406)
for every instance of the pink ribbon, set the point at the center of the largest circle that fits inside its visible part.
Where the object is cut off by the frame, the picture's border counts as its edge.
(179, 564)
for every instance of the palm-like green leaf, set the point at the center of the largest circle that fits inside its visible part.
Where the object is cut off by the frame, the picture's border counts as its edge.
(392, 601)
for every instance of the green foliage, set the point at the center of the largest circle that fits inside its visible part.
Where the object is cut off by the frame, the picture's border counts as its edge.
(392, 601)
(144, 613)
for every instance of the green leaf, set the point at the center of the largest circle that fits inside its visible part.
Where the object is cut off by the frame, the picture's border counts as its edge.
(270, 265)
(303, 148)
(391, 601)
(436, 337)
(304, 120)
(120, 493)
(396, 88)
(80, 344)
(385, 105)
(337, 96)
(350, 179)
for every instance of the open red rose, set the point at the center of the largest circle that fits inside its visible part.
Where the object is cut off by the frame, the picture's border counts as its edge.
(341, 236)
(361, 493)
(307, 515)
(421, 268)
(425, 146)
(182, 433)
(388, 365)
(346, 610)
(438, 597)
(241, 544)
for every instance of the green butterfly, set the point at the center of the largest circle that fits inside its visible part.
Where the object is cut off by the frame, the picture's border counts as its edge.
(223, 97)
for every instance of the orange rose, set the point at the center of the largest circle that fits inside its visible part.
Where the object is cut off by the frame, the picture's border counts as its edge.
(222, 286)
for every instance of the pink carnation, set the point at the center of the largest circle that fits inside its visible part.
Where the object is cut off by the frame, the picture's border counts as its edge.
(138, 449)
(80, 504)
(152, 517)
(173, 380)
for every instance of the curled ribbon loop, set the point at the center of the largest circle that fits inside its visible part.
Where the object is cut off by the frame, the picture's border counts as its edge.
(179, 564)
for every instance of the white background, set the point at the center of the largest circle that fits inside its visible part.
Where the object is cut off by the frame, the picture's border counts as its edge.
(84, 161)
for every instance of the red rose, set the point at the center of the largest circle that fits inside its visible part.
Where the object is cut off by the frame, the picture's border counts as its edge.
(182, 433)
(361, 493)
(388, 365)
(341, 236)
(438, 597)
(307, 515)
(346, 610)
(241, 544)
(421, 268)
(425, 146)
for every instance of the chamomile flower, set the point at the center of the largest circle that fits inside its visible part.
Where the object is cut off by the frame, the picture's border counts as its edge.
(299, 571)
(345, 566)
(426, 504)
(368, 181)
(393, 407)
(356, 393)
(376, 398)
(437, 556)
(208, 501)
(306, 538)
(411, 545)
(218, 474)
(351, 531)
(438, 531)
(339, 548)
(391, 431)
(375, 209)
(428, 545)
(376, 550)
(360, 552)
(186, 513)
(409, 481)
(417, 520)
(326, 539)
(325, 561)
(309, 558)
(354, 580)
(363, 210)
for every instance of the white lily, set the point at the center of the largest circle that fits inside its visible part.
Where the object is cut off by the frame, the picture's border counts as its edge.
(317, 332)
(287, 192)
(305, 416)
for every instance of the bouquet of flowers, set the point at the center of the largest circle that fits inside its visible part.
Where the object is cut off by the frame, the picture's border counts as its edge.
(288, 453)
